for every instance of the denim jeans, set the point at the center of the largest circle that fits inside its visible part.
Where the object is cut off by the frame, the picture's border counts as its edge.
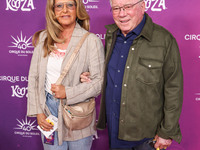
(82, 144)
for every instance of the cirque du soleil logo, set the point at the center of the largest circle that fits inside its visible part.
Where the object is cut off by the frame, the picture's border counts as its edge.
(23, 5)
(26, 125)
(87, 1)
(26, 128)
(155, 5)
(192, 37)
(90, 4)
(21, 45)
(19, 92)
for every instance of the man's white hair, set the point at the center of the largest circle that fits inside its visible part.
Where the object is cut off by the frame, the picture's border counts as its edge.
(111, 2)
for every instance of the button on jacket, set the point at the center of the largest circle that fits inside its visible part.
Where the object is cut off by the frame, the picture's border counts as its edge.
(152, 87)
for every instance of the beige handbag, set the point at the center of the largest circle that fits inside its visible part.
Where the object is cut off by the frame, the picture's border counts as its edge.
(77, 116)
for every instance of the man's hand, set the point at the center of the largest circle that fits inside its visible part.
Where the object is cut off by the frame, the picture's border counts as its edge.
(162, 143)
(58, 91)
(85, 77)
(44, 125)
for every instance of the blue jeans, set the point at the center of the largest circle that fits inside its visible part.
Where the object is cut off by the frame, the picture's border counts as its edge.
(82, 144)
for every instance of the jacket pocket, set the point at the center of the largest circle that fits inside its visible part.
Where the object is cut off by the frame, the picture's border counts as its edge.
(149, 70)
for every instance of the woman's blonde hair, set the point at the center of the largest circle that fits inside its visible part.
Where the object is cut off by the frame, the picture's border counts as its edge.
(53, 27)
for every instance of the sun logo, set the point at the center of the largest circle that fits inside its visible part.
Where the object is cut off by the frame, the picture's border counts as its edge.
(26, 125)
(21, 43)
(87, 1)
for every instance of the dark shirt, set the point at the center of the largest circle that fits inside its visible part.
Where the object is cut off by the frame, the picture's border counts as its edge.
(115, 74)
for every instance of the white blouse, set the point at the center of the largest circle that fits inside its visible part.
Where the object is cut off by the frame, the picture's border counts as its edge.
(53, 68)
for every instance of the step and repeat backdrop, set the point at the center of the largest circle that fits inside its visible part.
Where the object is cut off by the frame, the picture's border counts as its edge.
(20, 19)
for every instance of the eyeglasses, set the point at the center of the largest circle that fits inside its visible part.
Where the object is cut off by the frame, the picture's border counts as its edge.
(127, 7)
(70, 5)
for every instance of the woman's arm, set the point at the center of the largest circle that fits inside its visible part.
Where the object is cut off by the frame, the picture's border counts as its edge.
(85, 90)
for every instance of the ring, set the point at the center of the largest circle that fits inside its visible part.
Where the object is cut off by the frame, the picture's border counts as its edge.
(42, 127)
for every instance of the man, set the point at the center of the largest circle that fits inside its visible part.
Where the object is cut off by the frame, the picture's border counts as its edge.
(143, 82)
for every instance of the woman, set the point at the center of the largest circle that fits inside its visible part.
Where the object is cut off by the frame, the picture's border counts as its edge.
(67, 22)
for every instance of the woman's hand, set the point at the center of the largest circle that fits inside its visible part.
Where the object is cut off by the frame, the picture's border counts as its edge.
(58, 91)
(44, 125)
(85, 77)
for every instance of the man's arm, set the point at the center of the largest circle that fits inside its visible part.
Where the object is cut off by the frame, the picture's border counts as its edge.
(173, 94)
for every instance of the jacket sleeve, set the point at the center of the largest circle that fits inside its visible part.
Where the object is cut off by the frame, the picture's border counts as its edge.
(83, 91)
(33, 106)
(173, 93)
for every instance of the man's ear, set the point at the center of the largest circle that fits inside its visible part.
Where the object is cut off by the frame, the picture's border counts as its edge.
(143, 5)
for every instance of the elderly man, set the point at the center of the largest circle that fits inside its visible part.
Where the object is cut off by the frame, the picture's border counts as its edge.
(143, 82)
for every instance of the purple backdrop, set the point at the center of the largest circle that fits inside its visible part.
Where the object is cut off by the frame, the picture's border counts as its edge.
(20, 19)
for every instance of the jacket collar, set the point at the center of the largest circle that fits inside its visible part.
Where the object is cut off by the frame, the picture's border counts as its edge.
(111, 28)
(78, 31)
(76, 37)
(146, 31)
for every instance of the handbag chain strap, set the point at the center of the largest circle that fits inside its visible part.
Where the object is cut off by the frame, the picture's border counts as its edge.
(70, 61)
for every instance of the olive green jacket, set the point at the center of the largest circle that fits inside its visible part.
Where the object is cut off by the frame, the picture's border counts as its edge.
(152, 88)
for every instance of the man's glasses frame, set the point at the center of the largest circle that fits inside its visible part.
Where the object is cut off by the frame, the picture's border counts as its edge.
(127, 7)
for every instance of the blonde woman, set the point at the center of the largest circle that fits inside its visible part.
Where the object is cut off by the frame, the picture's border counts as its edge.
(67, 21)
